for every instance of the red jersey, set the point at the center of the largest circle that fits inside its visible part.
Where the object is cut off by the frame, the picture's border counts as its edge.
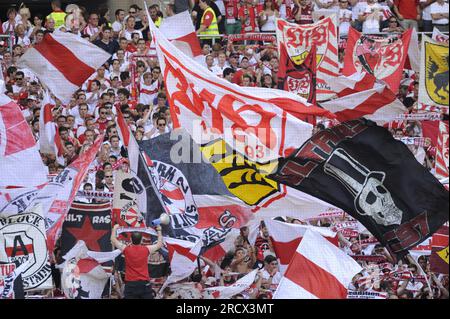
(249, 17)
(102, 126)
(231, 9)
(305, 16)
(407, 8)
(136, 263)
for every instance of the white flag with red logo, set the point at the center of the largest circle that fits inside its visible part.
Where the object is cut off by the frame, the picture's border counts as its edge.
(20, 162)
(286, 237)
(438, 36)
(318, 270)
(441, 165)
(361, 96)
(63, 62)
(182, 257)
(180, 30)
(382, 57)
(49, 139)
(299, 39)
(260, 123)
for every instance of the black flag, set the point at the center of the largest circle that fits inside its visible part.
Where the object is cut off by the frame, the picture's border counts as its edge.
(359, 167)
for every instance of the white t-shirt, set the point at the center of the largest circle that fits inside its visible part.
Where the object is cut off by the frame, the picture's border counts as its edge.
(127, 34)
(345, 17)
(217, 70)
(437, 8)
(426, 12)
(275, 280)
(372, 24)
(117, 26)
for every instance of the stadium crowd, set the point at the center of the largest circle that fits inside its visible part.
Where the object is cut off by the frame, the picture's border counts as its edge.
(132, 81)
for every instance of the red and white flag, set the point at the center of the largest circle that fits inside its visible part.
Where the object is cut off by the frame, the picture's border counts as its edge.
(226, 292)
(49, 139)
(318, 270)
(364, 98)
(20, 162)
(299, 40)
(63, 62)
(263, 120)
(181, 32)
(286, 237)
(57, 196)
(382, 57)
(182, 257)
(441, 165)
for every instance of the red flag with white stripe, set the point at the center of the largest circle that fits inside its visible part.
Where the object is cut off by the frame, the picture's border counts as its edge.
(286, 237)
(63, 62)
(361, 96)
(20, 162)
(318, 270)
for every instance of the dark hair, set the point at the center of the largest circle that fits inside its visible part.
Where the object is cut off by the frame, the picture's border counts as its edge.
(124, 76)
(269, 259)
(124, 92)
(136, 238)
(118, 11)
(228, 71)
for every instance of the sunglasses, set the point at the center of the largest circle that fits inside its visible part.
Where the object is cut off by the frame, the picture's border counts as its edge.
(103, 113)
(131, 12)
(108, 176)
(18, 79)
(161, 124)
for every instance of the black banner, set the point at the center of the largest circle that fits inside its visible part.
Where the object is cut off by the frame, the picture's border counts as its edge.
(360, 168)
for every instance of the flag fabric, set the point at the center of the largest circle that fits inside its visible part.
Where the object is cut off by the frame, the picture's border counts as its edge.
(20, 161)
(439, 251)
(57, 196)
(382, 57)
(90, 223)
(182, 257)
(377, 103)
(125, 207)
(82, 275)
(11, 284)
(441, 163)
(49, 139)
(63, 62)
(206, 106)
(438, 36)
(298, 79)
(360, 168)
(192, 192)
(433, 82)
(318, 270)
(299, 40)
(286, 238)
(23, 241)
(181, 32)
(226, 292)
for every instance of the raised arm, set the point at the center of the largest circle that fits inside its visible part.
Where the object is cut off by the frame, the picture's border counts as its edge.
(159, 243)
(114, 241)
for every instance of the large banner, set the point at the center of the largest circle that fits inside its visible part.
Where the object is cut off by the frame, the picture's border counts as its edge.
(23, 240)
(439, 251)
(433, 83)
(299, 40)
(90, 223)
(11, 284)
(382, 57)
(360, 168)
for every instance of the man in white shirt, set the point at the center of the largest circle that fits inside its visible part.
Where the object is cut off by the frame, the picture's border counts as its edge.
(221, 65)
(345, 17)
(371, 17)
(117, 25)
(439, 14)
(271, 274)
(128, 32)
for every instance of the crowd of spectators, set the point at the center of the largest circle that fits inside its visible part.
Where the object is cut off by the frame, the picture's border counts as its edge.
(132, 82)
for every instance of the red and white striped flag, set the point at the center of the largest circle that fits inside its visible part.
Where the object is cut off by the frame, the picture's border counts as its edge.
(63, 62)
(20, 162)
(362, 96)
(318, 270)
(182, 257)
(226, 292)
(49, 139)
(441, 165)
(286, 237)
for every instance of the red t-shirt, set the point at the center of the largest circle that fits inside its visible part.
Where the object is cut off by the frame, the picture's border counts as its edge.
(136, 263)
(249, 19)
(102, 125)
(407, 8)
(305, 16)
(231, 9)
